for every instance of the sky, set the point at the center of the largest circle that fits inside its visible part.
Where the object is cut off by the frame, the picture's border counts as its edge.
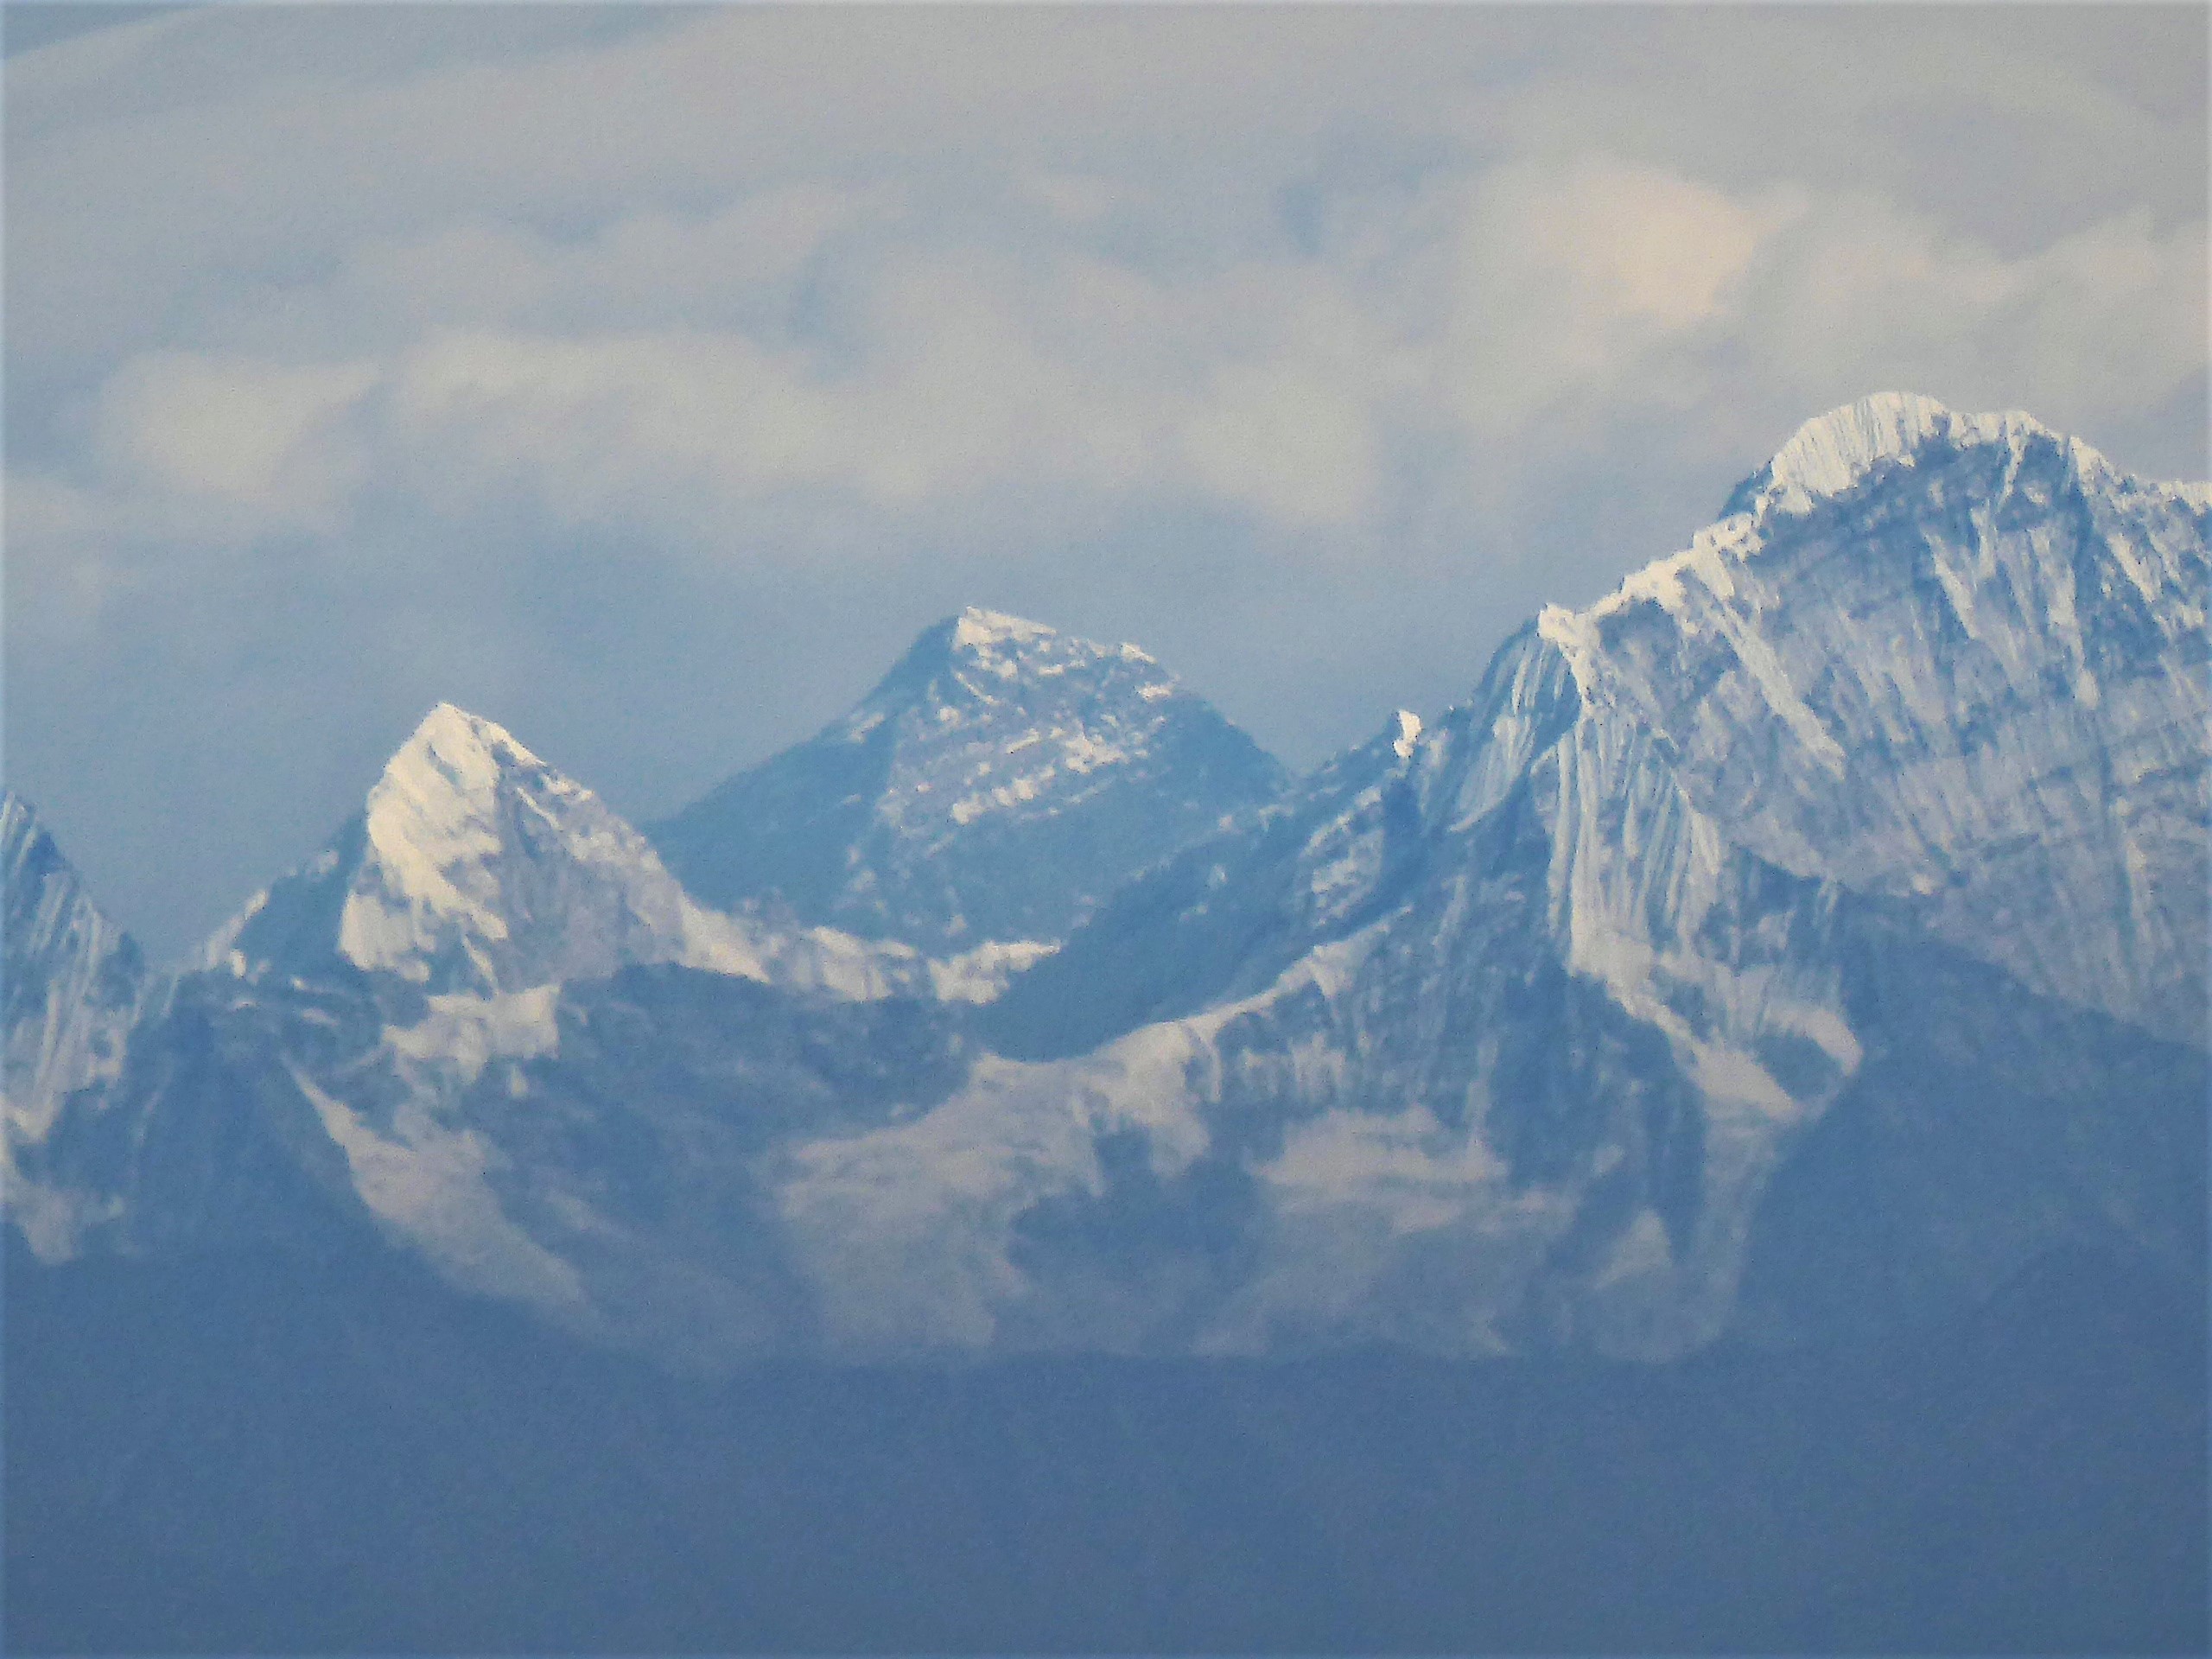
(645, 378)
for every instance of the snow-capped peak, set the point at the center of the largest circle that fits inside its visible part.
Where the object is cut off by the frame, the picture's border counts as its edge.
(433, 812)
(1829, 454)
(71, 979)
(475, 845)
(973, 660)
(468, 749)
(993, 640)
(1874, 688)
(1826, 458)
(473, 865)
(992, 786)
(975, 629)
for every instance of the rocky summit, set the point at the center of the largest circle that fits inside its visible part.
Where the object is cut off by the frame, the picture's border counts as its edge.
(995, 786)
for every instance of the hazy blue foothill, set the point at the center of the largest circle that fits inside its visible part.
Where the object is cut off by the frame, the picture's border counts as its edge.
(293, 1453)
(1700, 1147)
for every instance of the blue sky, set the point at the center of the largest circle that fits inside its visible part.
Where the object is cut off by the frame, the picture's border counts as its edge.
(645, 378)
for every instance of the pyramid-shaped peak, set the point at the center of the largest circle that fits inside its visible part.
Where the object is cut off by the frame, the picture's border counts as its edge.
(1003, 647)
(467, 749)
(473, 866)
(977, 631)
(445, 779)
(450, 720)
(994, 785)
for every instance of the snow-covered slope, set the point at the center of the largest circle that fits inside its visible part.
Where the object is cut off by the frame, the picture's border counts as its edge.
(1808, 936)
(304, 1077)
(1489, 1043)
(475, 868)
(73, 982)
(72, 976)
(1000, 780)
(1504, 1039)
(1953, 659)
(1222, 918)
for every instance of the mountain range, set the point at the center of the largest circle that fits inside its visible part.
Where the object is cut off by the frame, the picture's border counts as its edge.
(1810, 934)
(1699, 1146)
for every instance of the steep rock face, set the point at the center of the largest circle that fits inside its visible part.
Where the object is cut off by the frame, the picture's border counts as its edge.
(73, 977)
(604, 1151)
(72, 983)
(1953, 659)
(202, 1140)
(997, 783)
(588, 1150)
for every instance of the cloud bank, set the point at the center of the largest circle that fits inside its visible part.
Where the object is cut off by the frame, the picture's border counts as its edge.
(647, 377)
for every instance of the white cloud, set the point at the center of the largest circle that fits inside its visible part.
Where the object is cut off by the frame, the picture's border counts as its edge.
(964, 372)
(736, 259)
(1556, 296)
(1286, 441)
(2084, 331)
(255, 434)
(1513, 298)
(1567, 274)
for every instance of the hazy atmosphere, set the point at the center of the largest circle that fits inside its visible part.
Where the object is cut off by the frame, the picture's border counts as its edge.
(644, 378)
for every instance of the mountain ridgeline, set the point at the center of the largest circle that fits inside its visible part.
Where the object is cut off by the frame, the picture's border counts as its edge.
(1030, 1007)
(1796, 955)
